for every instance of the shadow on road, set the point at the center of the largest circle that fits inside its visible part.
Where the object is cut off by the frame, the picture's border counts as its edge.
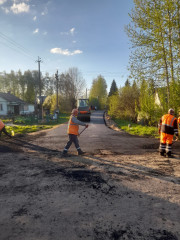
(17, 145)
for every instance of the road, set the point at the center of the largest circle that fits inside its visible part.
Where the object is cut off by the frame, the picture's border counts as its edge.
(97, 138)
(121, 188)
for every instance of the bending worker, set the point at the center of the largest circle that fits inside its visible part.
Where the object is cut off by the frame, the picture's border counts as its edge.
(3, 129)
(167, 128)
(73, 127)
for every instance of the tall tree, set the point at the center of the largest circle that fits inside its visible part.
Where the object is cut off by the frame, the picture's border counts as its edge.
(98, 92)
(22, 85)
(113, 89)
(154, 32)
(30, 90)
(71, 86)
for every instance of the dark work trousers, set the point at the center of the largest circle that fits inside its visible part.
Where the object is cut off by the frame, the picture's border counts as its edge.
(4, 131)
(72, 139)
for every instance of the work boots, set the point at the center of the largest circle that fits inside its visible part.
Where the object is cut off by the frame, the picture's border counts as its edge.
(64, 153)
(80, 152)
(162, 153)
(169, 155)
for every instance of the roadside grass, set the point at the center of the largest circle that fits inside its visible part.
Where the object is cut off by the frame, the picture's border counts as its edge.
(137, 129)
(27, 129)
(23, 125)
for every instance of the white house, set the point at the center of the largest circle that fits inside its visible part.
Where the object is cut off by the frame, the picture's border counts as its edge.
(10, 104)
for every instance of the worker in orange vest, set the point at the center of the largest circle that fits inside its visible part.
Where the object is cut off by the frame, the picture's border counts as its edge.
(3, 129)
(167, 128)
(73, 127)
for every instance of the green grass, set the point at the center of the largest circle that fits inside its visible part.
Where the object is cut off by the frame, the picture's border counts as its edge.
(22, 127)
(26, 129)
(137, 129)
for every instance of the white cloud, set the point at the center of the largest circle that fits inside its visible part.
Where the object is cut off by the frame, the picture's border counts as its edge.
(65, 51)
(2, 1)
(19, 8)
(36, 31)
(34, 18)
(72, 30)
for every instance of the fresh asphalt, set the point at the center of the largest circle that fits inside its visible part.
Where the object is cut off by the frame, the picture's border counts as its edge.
(96, 139)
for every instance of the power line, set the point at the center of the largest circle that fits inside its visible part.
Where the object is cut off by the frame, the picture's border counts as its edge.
(15, 46)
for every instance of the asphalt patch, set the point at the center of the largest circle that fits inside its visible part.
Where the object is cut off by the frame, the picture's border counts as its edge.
(151, 146)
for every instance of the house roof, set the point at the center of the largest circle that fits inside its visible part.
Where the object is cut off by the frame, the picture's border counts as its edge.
(10, 97)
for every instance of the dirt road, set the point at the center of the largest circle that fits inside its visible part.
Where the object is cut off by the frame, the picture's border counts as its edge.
(121, 189)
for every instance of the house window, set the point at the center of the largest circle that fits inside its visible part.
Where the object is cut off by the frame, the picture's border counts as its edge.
(1, 107)
(26, 108)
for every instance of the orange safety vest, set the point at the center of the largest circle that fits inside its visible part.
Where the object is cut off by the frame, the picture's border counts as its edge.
(1, 125)
(72, 127)
(167, 124)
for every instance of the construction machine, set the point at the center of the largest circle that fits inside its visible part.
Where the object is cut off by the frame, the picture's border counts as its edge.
(84, 110)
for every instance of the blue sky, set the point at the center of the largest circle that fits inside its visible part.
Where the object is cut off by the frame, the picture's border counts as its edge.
(87, 34)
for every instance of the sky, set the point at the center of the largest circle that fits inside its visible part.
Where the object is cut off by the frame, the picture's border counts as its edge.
(86, 34)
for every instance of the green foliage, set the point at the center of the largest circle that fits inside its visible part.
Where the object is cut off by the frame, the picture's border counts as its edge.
(98, 92)
(30, 92)
(124, 104)
(113, 105)
(136, 129)
(27, 129)
(26, 124)
(113, 89)
(154, 33)
(27, 87)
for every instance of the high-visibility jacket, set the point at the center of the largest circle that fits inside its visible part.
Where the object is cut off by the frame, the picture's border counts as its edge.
(73, 128)
(1, 125)
(168, 124)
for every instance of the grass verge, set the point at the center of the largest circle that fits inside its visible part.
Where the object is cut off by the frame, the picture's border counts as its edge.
(25, 125)
(137, 129)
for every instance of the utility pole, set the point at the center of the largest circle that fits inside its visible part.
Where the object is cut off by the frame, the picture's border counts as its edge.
(41, 109)
(57, 86)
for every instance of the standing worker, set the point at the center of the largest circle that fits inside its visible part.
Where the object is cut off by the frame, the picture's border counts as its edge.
(3, 129)
(73, 127)
(167, 128)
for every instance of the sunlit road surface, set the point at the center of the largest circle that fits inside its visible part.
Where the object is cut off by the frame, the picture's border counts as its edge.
(97, 138)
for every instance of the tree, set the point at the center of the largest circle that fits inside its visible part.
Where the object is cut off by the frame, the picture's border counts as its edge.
(154, 33)
(113, 89)
(30, 90)
(49, 85)
(22, 84)
(71, 87)
(98, 92)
